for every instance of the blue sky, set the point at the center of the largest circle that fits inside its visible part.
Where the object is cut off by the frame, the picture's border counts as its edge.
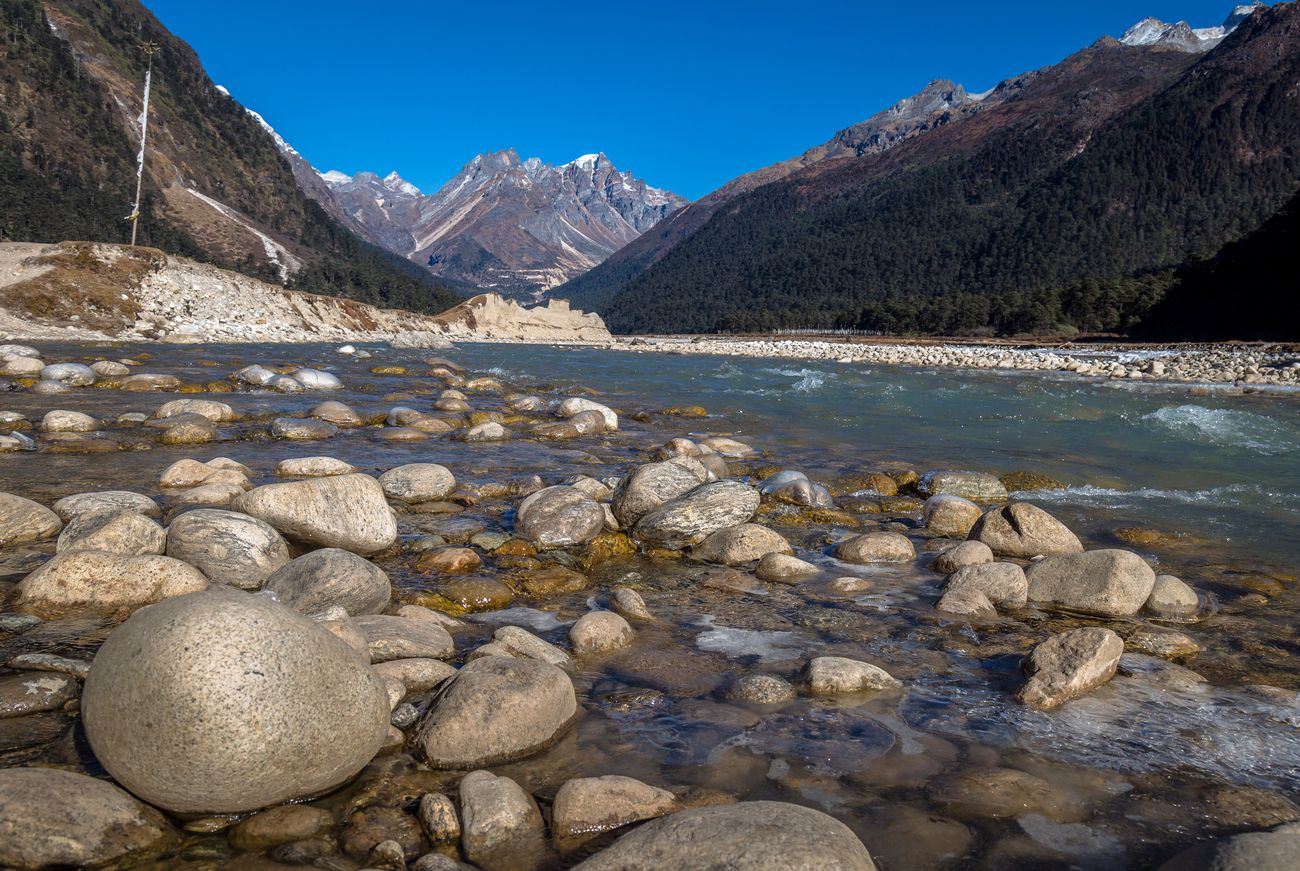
(686, 95)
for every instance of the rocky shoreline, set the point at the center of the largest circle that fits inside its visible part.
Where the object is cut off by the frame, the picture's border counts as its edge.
(1242, 366)
(318, 661)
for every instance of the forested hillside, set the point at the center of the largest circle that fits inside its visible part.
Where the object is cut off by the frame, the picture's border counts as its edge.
(70, 78)
(1026, 227)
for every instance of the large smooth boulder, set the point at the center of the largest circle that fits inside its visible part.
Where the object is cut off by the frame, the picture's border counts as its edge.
(559, 517)
(651, 485)
(1024, 531)
(95, 580)
(1103, 583)
(225, 702)
(501, 825)
(959, 556)
(572, 407)
(22, 520)
(70, 374)
(418, 482)
(1003, 583)
(105, 502)
(950, 516)
(741, 544)
(976, 486)
(50, 817)
(746, 836)
(347, 511)
(494, 710)
(390, 637)
(229, 548)
(328, 578)
(585, 807)
(694, 516)
(61, 420)
(876, 547)
(1070, 664)
(122, 532)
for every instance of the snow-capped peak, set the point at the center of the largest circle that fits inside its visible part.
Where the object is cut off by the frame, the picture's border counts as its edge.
(395, 182)
(334, 177)
(1182, 36)
(586, 162)
(221, 90)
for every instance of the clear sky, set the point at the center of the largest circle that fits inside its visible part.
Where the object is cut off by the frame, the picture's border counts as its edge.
(686, 95)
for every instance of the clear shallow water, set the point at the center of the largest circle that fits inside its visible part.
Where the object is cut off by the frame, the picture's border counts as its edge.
(1213, 477)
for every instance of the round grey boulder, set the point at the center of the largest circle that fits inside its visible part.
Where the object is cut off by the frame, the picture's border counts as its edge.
(494, 710)
(694, 516)
(95, 580)
(22, 520)
(347, 511)
(51, 817)
(331, 577)
(599, 632)
(876, 547)
(559, 517)
(1171, 599)
(959, 556)
(122, 532)
(838, 675)
(225, 702)
(746, 836)
(1025, 531)
(1003, 583)
(105, 502)
(418, 482)
(651, 485)
(950, 516)
(229, 548)
(741, 544)
(1103, 583)
(70, 374)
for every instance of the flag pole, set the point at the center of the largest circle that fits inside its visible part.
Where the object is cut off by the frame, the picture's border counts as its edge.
(149, 49)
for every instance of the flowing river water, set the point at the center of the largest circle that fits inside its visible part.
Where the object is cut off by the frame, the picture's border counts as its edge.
(1203, 483)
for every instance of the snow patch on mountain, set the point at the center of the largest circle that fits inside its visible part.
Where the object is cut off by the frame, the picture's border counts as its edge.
(1184, 37)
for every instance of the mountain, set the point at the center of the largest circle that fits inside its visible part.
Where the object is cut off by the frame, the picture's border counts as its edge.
(218, 186)
(1062, 199)
(516, 226)
(1182, 36)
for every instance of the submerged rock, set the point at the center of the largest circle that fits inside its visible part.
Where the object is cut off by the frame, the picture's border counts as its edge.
(976, 486)
(746, 836)
(224, 702)
(1278, 850)
(1069, 665)
(494, 710)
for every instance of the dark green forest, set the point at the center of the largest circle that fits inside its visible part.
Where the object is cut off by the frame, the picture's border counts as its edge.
(1027, 233)
(67, 165)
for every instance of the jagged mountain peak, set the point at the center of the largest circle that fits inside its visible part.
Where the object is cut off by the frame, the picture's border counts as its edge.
(1182, 36)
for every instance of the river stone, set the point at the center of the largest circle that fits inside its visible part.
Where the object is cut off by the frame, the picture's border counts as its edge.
(418, 482)
(494, 710)
(783, 568)
(794, 487)
(741, 544)
(599, 632)
(23, 367)
(694, 516)
(280, 825)
(302, 428)
(1278, 850)
(22, 520)
(1003, 583)
(1160, 642)
(523, 644)
(1172, 599)
(585, 807)
(959, 556)
(501, 826)
(94, 580)
(52, 818)
(45, 387)
(571, 407)
(331, 577)
(966, 602)
(218, 412)
(559, 517)
(225, 702)
(122, 532)
(999, 793)
(976, 486)
(70, 374)
(416, 674)
(876, 547)
(313, 467)
(651, 485)
(347, 511)
(486, 432)
(105, 502)
(763, 689)
(1024, 531)
(838, 675)
(67, 421)
(950, 516)
(1104, 583)
(628, 602)
(390, 637)
(746, 836)
(198, 431)
(228, 547)
(34, 693)
(150, 381)
(315, 379)
(1069, 665)
(336, 413)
